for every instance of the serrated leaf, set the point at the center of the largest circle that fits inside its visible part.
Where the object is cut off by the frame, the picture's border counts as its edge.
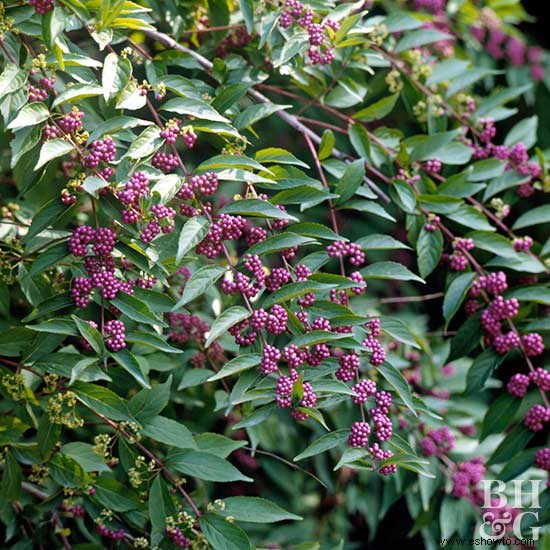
(455, 294)
(514, 442)
(30, 115)
(256, 208)
(481, 369)
(52, 149)
(192, 233)
(223, 535)
(256, 510)
(377, 110)
(280, 242)
(324, 443)
(231, 316)
(193, 107)
(389, 270)
(205, 466)
(396, 380)
(238, 364)
(199, 283)
(429, 247)
(168, 431)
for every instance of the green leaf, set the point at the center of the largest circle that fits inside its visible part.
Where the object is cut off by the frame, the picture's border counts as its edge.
(481, 369)
(192, 233)
(467, 338)
(168, 431)
(275, 155)
(231, 316)
(256, 208)
(279, 242)
(293, 290)
(377, 110)
(66, 471)
(539, 294)
(535, 216)
(514, 442)
(102, 400)
(25, 140)
(223, 535)
(420, 37)
(48, 435)
(205, 466)
(455, 294)
(316, 231)
(199, 283)
(493, 242)
(136, 309)
(517, 465)
(237, 364)
(389, 270)
(116, 73)
(193, 107)
(304, 195)
(52, 149)
(324, 443)
(399, 330)
(368, 206)
(429, 247)
(92, 184)
(317, 337)
(145, 144)
(151, 340)
(327, 145)
(429, 147)
(256, 510)
(258, 112)
(377, 241)
(30, 115)
(131, 365)
(401, 21)
(77, 93)
(229, 161)
(510, 178)
(399, 384)
(524, 132)
(359, 138)
(403, 194)
(10, 490)
(84, 454)
(90, 334)
(113, 495)
(350, 181)
(217, 444)
(447, 70)
(494, 420)
(150, 401)
(160, 507)
(471, 217)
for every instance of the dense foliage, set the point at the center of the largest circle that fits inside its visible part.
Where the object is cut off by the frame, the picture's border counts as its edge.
(272, 274)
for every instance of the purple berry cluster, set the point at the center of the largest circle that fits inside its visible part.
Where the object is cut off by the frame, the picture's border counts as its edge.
(466, 477)
(176, 537)
(438, 442)
(100, 150)
(72, 122)
(96, 246)
(319, 52)
(341, 249)
(114, 534)
(41, 7)
(166, 162)
(501, 46)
